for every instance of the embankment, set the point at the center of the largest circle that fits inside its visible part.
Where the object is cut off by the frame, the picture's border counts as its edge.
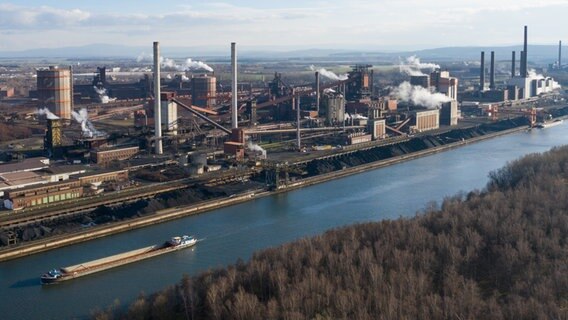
(353, 163)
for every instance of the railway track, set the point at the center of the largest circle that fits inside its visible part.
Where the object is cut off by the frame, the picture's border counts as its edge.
(79, 206)
(65, 210)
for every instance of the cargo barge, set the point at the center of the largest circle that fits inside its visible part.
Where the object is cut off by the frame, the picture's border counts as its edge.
(86, 268)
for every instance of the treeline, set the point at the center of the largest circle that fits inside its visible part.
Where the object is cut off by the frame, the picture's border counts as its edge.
(500, 253)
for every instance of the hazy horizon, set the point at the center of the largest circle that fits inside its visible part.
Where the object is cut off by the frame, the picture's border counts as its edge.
(359, 25)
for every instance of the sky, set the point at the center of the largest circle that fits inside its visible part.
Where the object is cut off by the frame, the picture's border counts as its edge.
(281, 25)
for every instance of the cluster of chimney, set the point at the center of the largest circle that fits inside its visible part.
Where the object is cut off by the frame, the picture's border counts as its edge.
(523, 67)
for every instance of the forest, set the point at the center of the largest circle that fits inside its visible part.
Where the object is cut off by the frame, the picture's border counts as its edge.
(496, 253)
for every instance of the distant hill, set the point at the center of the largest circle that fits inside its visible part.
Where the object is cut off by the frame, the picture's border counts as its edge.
(537, 53)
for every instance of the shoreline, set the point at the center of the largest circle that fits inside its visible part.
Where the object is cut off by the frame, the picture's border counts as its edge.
(183, 211)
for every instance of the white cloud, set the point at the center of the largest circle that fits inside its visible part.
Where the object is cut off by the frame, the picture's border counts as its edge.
(364, 24)
(18, 17)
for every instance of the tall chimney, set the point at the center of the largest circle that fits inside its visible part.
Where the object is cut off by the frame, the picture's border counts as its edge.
(492, 72)
(525, 67)
(234, 115)
(522, 64)
(157, 100)
(560, 54)
(482, 72)
(513, 65)
(298, 136)
(318, 94)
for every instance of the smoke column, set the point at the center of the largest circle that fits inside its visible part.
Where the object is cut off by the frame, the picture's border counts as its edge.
(413, 66)
(82, 117)
(256, 147)
(47, 113)
(103, 97)
(419, 95)
(328, 74)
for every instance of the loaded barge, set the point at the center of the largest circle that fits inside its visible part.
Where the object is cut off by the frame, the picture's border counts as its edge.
(85, 268)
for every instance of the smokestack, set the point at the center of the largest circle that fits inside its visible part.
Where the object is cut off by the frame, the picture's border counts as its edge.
(234, 115)
(525, 66)
(482, 72)
(157, 100)
(522, 64)
(560, 54)
(513, 65)
(492, 72)
(298, 138)
(318, 96)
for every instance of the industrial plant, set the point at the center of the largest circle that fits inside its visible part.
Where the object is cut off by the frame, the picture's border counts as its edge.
(155, 129)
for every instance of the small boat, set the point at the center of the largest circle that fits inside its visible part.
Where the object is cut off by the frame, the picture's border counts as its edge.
(51, 276)
(183, 241)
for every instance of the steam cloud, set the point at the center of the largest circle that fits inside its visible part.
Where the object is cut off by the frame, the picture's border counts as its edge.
(533, 75)
(328, 74)
(47, 113)
(86, 126)
(414, 67)
(419, 95)
(256, 147)
(188, 64)
(103, 97)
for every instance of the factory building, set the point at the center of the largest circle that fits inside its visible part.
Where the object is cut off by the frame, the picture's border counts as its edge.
(445, 84)
(55, 90)
(333, 108)
(6, 92)
(46, 193)
(425, 120)
(34, 195)
(449, 113)
(169, 113)
(361, 88)
(105, 156)
(203, 91)
(377, 127)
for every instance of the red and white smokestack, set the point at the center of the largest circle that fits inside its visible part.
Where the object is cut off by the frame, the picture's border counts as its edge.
(157, 100)
(234, 114)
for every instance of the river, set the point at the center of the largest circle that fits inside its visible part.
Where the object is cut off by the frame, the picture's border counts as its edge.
(236, 232)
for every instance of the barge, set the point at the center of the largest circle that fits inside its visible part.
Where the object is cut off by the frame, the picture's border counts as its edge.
(86, 268)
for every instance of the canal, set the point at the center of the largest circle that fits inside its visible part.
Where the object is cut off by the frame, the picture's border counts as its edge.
(236, 232)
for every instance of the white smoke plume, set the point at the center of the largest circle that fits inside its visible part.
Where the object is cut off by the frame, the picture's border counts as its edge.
(144, 57)
(328, 74)
(103, 97)
(419, 95)
(184, 77)
(533, 75)
(47, 113)
(188, 64)
(87, 127)
(169, 76)
(413, 66)
(256, 147)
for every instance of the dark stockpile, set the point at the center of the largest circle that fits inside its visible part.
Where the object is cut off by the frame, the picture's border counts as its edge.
(496, 254)
(321, 166)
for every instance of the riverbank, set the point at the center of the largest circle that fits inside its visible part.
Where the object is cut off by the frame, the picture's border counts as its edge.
(182, 211)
